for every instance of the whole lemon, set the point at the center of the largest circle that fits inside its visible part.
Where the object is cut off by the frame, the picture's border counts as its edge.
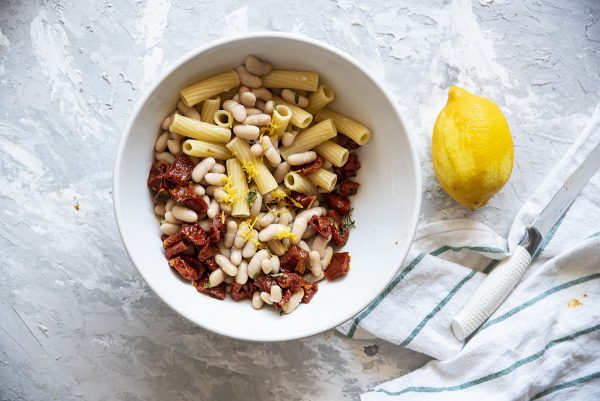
(472, 149)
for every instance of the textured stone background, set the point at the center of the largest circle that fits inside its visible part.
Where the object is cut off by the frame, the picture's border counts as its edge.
(78, 322)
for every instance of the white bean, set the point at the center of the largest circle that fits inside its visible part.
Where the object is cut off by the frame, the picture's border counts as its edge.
(236, 256)
(285, 216)
(281, 171)
(242, 275)
(251, 111)
(240, 235)
(327, 165)
(288, 138)
(271, 153)
(294, 98)
(298, 159)
(309, 233)
(301, 222)
(260, 105)
(216, 179)
(243, 89)
(159, 209)
(236, 98)
(255, 263)
(166, 123)
(202, 168)
(256, 206)
(269, 106)
(175, 136)
(165, 157)
(275, 264)
(237, 110)
(278, 247)
(169, 228)
(184, 214)
(161, 142)
(199, 190)
(315, 263)
(224, 263)
(326, 258)
(225, 208)
(174, 146)
(219, 194)
(218, 168)
(271, 232)
(258, 120)
(205, 224)
(213, 209)
(229, 279)
(263, 94)
(266, 219)
(249, 132)
(223, 250)
(304, 246)
(210, 190)
(172, 219)
(230, 233)
(189, 112)
(249, 249)
(206, 198)
(276, 293)
(248, 99)
(247, 79)
(266, 297)
(216, 277)
(265, 265)
(319, 244)
(256, 66)
(257, 301)
(169, 205)
(293, 302)
(256, 150)
(311, 278)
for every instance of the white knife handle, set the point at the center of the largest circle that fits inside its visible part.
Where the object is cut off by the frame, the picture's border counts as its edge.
(491, 293)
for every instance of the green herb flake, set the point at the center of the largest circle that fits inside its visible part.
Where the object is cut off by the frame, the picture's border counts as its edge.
(277, 275)
(348, 221)
(252, 142)
(251, 197)
(206, 285)
(296, 98)
(281, 312)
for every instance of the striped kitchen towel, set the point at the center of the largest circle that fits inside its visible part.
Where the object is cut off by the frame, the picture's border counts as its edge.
(544, 340)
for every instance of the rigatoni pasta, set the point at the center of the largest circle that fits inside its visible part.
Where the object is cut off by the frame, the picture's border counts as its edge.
(332, 152)
(300, 118)
(319, 99)
(210, 87)
(197, 148)
(199, 130)
(310, 137)
(347, 126)
(323, 178)
(303, 80)
(209, 108)
(239, 189)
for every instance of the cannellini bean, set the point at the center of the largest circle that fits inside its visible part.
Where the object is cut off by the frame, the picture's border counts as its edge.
(281, 171)
(161, 142)
(309, 233)
(270, 152)
(326, 258)
(301, 158)
(216, 277)
(311, 278)
(189, 112)
(278, 247)
(248, 99)
(172, 219)
(288, 138)
(327, 165)
(275, 264)
(256, 149)
(266, 219)
(251, 111)
(242, 275)
(265, 265)
(210, 191)
(229, 279)
(184, 214)
(243, 89)
(219, 194)
(205, 224)
(276, 293)
(315, 263)
(248, 79)
(269, 106)
(249, 249)
(285, 216)
(240, 238)
(236, 98)
(266, 297)
(169, 228)
(263, 94)
(257, 301)
(225, 208)
(304, 246)
(237, 110)
(319, 244)
(249, 132)
(223, 250)
(218, 168)
(216, 179)
(175, 136)
(301, 221)
(230, 233)
(159, 209)
(293, 302)
(165, 157)
(256, 206)
(254, 265)
(199, 190)
(224, 263)
(271, 232)
(169, 205)
(166, 123)
(294, 98)
(256, 66)
(202, 168)
(236, 256)
(258, 120)
(260, 105)
(213, 209)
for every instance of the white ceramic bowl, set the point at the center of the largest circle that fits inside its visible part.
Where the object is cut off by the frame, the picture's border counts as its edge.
(386, 206)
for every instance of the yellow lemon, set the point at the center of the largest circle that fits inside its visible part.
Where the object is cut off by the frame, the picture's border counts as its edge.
(472, 149)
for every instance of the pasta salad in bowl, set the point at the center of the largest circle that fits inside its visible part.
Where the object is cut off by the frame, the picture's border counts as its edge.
(255, 183)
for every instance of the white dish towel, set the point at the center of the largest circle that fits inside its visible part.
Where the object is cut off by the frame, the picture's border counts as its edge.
(544, 340)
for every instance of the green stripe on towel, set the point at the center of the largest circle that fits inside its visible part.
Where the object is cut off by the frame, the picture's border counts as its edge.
(564, 385)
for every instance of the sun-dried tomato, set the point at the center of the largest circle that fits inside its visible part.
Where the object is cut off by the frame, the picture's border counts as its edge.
(338, 203)
(217, 292)
(264, 282)
(295, 259)
(309, 291)
(155, 178)
(347, 188)
(211, 264)
(287, 294)
(182, 193)
(185, 270)
(309, 168)
(347, 142)
(289, 280)
(217, 228)
(242, 291)
(164, 237)
(339, 232)
(304, 200)
(180, 171)
(186, 196)
(339, 265)
(172, 239)
(349, 169)
(207, 251)
(321, 225)
(194, 234)
(175, 249)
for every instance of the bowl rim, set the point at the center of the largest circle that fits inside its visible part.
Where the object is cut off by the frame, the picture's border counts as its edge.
(401, 254)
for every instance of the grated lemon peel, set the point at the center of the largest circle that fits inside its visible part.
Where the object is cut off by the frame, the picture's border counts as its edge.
(231, 193)
(251, 170)
(286, 233)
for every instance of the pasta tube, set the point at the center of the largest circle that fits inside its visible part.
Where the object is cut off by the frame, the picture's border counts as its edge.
(305, 80)
(323, 178)
(347, 126)
(199, 130)
(255, 169)
(223, 118)
(309, 138)
(281, 118)
(210, 87)
(209, 108)
(194, 147)
(296, 182)
(332, 152)
(239, 185)
(319, 99)
(300, 118)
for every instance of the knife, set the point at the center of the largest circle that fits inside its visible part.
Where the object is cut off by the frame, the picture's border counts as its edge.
(501, 281)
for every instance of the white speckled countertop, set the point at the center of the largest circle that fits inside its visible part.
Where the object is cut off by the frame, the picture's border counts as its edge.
(78, 322)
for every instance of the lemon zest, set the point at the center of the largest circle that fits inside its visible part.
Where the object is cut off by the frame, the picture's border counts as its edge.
(297, 204)
(270, 129)
(222, 217)
(286, 233)
(251, 170)
(277, 195)
(231, 193)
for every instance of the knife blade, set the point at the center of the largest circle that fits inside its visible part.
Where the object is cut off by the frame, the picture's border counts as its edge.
(500, 282)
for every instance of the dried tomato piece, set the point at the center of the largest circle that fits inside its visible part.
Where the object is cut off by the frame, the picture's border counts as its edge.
(186, 196)
(176, 249)
(211, 264)
(338, 203)
(339, 265)
(347, 142)
(309, 168)
(164, 237)
(242, 291)
(217, 292)
(305, 201)
(347, 188)
(180, 171)
(295, 259)
(287, 294)
(309, 291)
(185, 270)
(290, 281)
(207, 251)
(171, 240)
(196, 204)
(217, 228)
(339, 232)
(194, 234)
(349, 169)
(322, 225)
(264, 282)
(155, 178)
